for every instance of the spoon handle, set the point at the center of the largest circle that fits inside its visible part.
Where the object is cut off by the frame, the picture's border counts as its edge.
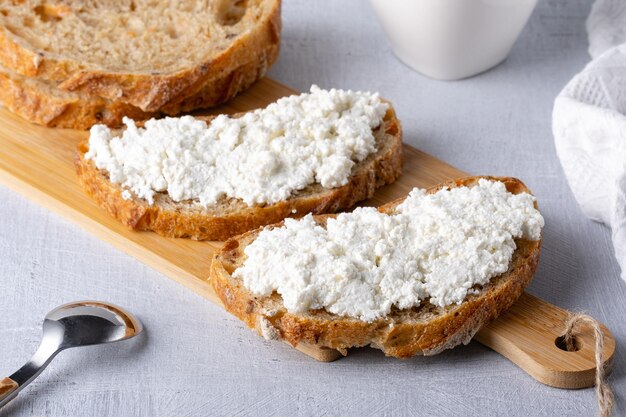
(11, 386)
(8, 389)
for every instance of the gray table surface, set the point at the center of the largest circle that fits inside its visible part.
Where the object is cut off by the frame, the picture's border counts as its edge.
(197, 360)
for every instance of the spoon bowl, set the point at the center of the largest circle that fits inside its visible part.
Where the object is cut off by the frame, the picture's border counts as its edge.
(77, 324)
(89, 323)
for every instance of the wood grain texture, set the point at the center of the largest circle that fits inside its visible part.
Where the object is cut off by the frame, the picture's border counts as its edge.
(37, 162)
(527, 336)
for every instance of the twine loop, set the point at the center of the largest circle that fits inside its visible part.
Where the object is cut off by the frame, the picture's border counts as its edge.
(603, 390)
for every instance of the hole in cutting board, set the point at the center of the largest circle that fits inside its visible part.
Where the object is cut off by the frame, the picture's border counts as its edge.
(560, 343)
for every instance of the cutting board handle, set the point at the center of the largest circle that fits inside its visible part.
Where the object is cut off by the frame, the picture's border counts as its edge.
(529, 335)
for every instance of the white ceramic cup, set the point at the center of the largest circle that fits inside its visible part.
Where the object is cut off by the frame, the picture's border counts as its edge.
(453, 39)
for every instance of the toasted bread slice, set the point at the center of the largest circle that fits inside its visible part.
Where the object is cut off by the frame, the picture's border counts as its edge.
(138, 52)
(427, 329)
(232, 216)
(42, 103)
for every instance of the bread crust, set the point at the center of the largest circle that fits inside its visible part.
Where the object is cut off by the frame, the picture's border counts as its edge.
(41, 104)
(425, 330)
(149, 91)
(184, 220)
(64, 110)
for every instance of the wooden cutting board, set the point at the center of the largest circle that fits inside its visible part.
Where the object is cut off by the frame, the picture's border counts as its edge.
(37, 162)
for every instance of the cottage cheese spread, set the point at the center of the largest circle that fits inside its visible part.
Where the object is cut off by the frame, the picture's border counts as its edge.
(262, 157)
(435, 246)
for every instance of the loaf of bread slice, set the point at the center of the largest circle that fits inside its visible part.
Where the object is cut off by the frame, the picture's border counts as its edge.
(146, 54)
(427, 329)
(42, 103)
(232, 216)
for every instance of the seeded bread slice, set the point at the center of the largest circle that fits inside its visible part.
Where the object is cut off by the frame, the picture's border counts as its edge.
(426, 330)
(139, 52)
(232, 216)
(42, 103)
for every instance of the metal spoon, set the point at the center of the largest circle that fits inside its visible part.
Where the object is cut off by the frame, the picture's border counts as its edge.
(76, 324)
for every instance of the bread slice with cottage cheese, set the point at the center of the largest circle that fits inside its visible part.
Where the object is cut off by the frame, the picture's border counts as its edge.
(145, 54)
(425, 329)
(231, 216)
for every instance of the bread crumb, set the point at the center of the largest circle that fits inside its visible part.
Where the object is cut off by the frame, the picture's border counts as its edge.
(269, 312)
(37, 59)
(230, 298)
(268, 331)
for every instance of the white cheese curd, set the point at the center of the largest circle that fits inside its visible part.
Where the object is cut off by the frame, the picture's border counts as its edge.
(262, 157)
(435, 246)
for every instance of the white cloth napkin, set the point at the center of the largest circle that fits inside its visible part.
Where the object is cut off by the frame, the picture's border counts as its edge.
(589, 124)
